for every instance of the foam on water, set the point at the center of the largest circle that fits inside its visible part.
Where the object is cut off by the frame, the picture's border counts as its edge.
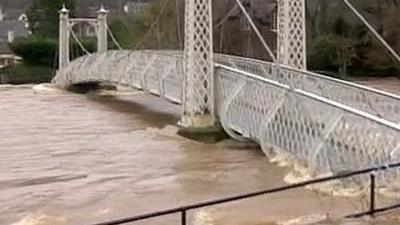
(204, 217)
(46, 88)
(304, 220)
(300, 173)
(40, 220)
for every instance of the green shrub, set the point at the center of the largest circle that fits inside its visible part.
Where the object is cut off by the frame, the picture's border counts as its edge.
(22, 74)
(330, 53)
(42, 52)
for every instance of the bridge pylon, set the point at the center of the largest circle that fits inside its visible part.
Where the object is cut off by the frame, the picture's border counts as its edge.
(198, 110)
(66, 27)
(102, 30)
(63, 55)
(292, 33)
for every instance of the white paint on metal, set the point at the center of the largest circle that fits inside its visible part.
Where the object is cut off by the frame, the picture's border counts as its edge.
(198, 89)
(63, 52)
(292, 33)
(102, 29)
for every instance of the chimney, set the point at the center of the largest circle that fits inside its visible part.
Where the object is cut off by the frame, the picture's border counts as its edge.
(10, 35)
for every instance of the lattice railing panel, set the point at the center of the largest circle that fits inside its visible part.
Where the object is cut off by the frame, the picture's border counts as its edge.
(158, 74)
(375, 102)
(321, 136)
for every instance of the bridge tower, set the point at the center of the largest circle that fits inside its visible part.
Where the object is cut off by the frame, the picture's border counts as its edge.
(102, 30)
(198, 91)
(63, 56)
(292, 33)
(65, 29)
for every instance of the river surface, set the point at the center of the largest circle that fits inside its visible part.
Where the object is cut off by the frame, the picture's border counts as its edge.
(78, 159)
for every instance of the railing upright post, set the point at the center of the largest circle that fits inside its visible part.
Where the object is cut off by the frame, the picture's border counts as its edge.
(372, 194)
(183, 217)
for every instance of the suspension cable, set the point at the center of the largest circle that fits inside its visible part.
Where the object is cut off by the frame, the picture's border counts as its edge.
(78, 42)
(178, 24)
(372, 29)
(256, 30)
(113, 38)
(155, 21)
(223, 20)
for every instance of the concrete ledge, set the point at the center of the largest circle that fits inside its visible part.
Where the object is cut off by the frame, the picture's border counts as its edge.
(211, 134)
(83, 88)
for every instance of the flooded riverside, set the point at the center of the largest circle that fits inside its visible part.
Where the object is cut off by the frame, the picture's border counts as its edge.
(78, 159)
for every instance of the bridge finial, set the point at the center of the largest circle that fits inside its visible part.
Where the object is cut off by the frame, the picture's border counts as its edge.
(64, 9)
(102, 10)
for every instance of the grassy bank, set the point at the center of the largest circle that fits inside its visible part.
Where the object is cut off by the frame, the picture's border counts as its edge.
(25, 74)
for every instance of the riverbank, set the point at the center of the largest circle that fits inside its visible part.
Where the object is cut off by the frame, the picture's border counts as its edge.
(22, 74)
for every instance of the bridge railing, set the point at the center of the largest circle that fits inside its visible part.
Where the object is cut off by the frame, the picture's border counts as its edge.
(155, 63)
(321, 134)
(158, 74)
(378, 103)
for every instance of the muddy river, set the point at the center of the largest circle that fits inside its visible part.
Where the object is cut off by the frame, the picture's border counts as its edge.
(79, 159)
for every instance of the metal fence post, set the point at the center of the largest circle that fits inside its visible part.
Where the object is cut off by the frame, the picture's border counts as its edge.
(183, 217)
(372, 194)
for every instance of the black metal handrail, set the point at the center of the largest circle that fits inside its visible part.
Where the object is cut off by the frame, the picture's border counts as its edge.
(183, 209)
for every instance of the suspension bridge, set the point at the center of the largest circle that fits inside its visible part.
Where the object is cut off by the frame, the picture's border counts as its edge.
(324, 124)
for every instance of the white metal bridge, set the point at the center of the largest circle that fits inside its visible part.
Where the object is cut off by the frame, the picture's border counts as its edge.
(324, 124)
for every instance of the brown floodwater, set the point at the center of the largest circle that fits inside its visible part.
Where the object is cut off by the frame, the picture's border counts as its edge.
(78, 159)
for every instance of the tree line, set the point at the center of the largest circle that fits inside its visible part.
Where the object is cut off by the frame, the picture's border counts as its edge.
(337, 42)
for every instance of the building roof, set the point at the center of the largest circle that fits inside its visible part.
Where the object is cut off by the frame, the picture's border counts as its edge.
(4, 49)
(17, 27)
(12, 14)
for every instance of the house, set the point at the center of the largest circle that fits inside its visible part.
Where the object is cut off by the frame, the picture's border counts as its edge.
(12, 25)
(132, 7)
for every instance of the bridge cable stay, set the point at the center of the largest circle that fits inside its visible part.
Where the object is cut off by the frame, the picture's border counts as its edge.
(178, 26)
(225, 18)
(75, 37)
(372, 29)
(153, 24)
(54, 67)
(257, 31)
(113, 37)
(74, 49)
